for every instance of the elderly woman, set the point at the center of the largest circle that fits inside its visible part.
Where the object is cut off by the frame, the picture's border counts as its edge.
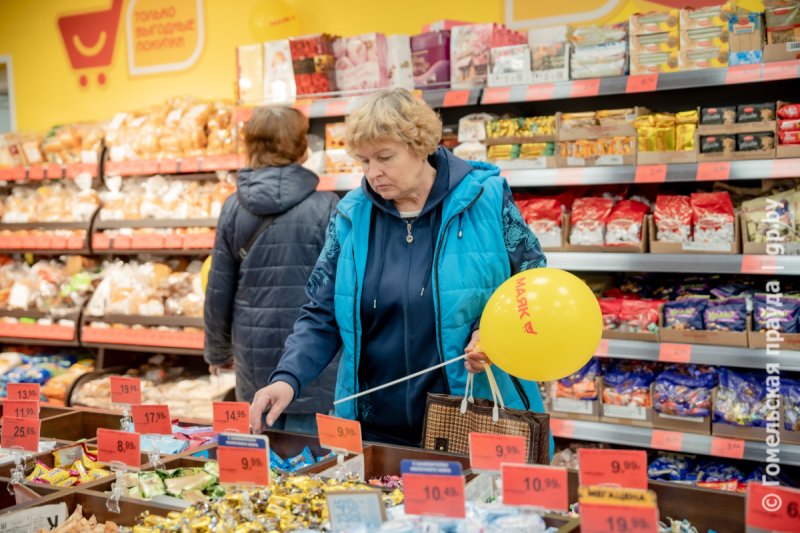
(410, 260)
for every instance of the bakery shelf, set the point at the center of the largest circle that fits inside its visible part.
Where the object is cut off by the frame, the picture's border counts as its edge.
(52, 335)
(46, 244)
(39, 172)
(186, 165)
(156, 223)
(144, 340)
(173, 244)
(178, 321)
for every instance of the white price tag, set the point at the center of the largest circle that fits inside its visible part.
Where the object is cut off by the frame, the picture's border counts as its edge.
(706, 246)
(632, 412)
(608, 160)
(576, 162)
(566, 405)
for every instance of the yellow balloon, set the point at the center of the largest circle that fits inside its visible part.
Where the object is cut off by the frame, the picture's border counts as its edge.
(271, 20)
(204, 273)
(541, 325)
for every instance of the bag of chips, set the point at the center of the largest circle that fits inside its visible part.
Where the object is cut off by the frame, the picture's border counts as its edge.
(625, 223)
(685, 314)
(713, 217)
(543, 216)
(673, 218)
(588, 221)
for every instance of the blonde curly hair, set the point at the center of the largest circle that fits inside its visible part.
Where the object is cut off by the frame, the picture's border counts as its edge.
(394, 116)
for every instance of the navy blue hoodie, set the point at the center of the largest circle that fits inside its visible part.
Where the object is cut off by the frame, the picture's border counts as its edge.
(397, 311)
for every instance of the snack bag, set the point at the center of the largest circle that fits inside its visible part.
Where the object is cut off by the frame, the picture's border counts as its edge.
(673, 218)
(579, 386)
(741, 399)
(588, 220)
(625, 223)
(790, 111)
(639, 316)
(684, 390)
(713, 217)
(728, 314)
(543, 216)
(685, 314)
(715, 474)
(669, 466)
(626, 384)
(610, 308)
(782, 318)
(790, 390)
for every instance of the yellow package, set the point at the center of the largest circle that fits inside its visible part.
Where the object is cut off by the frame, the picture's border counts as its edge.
(686, 117)
(79, 467)
(684, 136)
(67, 482)
(645, 135)
(644, 121)
(38, 471)
(664, 120)
(95, 474)
(665, 139)
(56, 476)
(67, 455)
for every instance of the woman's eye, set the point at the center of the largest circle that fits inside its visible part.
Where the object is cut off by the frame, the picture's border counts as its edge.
(384, 158)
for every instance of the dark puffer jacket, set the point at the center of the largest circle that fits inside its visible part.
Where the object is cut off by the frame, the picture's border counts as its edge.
(251, 308)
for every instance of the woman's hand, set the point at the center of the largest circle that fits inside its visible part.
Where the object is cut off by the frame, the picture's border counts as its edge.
(277, 396)
(215, 369)
(474, 361)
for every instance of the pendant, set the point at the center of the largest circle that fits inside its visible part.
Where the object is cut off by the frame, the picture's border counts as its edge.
(409, 239)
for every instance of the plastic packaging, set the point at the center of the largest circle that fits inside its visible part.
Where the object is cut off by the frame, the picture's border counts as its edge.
(684, 390)
(588, 220)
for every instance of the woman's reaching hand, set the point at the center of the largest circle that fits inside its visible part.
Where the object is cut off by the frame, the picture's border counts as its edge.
(475, 359)
(276, 397)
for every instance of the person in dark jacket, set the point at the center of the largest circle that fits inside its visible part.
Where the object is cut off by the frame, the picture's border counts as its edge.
(252, 303)
(410, 260)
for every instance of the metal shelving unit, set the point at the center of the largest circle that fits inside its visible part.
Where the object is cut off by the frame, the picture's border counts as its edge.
(683, 263)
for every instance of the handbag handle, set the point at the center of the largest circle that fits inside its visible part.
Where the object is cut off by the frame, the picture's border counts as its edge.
(467, 391)
(496, 396)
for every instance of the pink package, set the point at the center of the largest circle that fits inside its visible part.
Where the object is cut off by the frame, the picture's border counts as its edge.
(469, 55)
(361, 62)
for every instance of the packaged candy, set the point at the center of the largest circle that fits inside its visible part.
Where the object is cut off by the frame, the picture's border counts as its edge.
(789, 125)
(741, 399)
(301, 461)
(717, 143)
(684, 136)
(790, 390)
(611, 309)
(713, 217)
(473, 127)
(430, 56)
(685, 314)
(789, 111)
(361, 62)
(471, 151)
(670, 466)
(684, 390)
(781, 317)
(728, 314)
(756, 113)
(782, 217)
(754, 142)
(715, 474)
(150, 484)
(789, 137)
(639, 316)
(627, 385)
(39, 470)
(760, 474)
(718, 115)
(673, 218)
(588, 220)
(67, 455)
(503, 151)
(625, 223)
(543, 216)
(579, 386)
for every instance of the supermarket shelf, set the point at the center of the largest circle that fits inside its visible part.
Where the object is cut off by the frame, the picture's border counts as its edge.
(782, 70)
(689, 264)
(173, 244)
(156, 223)
(52, 335)
(143, 348)
(40, 172)
(186, 165)
(702, 354)
(155, 251)
(643, 437)
(178, 321)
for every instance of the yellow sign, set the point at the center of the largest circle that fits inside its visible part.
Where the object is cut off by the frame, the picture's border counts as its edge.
(617, 496)
(163, 36)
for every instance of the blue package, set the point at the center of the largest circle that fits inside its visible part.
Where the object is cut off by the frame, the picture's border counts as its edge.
(686, 313)
(693, 287)
(741, 399)
(712, 471)
(760, 473)
(770, 315)
(202, 455)
(275, 461)
(589, 371)
(670, 466)
(325, 457)
(749, 57)
(790, 390)
(301, 461)
(684, 390)
(729, 314)
(624, 378)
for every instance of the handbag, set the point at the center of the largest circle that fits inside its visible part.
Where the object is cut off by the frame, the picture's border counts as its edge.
(450, 419)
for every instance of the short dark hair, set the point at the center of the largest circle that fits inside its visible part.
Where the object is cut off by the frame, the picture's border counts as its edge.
(275, 136)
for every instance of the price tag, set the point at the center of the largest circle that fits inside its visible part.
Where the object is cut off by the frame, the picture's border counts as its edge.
(189, 164)
(242, 114)
(618, 519)
(36, 172)
(496, 95)
(713, 171)
(21, 409)
(232, 416)
(675, 353)
(581, 88)
(168, 166)
(152, 419)
(456, 98)
(147, 241)
(173, 240)
(18, 173)
(150, 166)
(433, 488)
(666, 440)
(351, 509)
(569, 176)
(54, 172)
(336, 108)
(651, 174)
(243, 459)
(561, 427)
(602, 348)
(23, 391)
(22, 432)
(536, 485)
(126, 390)
(59, 242)
(785, 168)
(743, 74)
(759, 264)
(772, 508)
(327, 182)
(304, 106)
(122, 242)
(100, 241)
(487, 451)
(539, 91)
(642, 84)
(339, 434)
(627, 468)
(119, 446)
(75, 242)
(780, 70)
(730, 448)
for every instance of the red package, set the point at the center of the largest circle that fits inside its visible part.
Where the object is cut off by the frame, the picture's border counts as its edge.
(565, 198)
(789, 111)
(610, 308)
(588, 220)
(543, 216)
(789, 137)
(712, 216)
(789, 125)
(639, 316)
(673, 218)
(615, 191)
(625, 223)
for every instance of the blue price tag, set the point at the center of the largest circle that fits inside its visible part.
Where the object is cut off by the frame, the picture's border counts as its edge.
(436, 468)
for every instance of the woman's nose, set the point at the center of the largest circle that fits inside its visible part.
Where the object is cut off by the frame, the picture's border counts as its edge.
(374, 172)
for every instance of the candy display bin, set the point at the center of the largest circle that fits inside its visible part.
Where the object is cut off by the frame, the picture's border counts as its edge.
(658, 247)
(625, 415)
(719, 429)
(709, 337)
(587, 410)
(700, 425)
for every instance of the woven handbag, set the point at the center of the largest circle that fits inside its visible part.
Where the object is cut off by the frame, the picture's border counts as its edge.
(450, 419)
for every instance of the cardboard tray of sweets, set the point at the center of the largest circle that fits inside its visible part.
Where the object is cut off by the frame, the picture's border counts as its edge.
(738, 339)
(786, 341)
(630, 249)
(633, 335)
(700, 425)
(658, 247)
(47, 244)
(585, 410)
(735, 155)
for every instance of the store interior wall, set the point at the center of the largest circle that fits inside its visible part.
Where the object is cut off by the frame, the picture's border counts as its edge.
(5, 110)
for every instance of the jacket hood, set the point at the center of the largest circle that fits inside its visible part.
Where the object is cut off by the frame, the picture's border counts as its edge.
(271, 190)
(450, 172)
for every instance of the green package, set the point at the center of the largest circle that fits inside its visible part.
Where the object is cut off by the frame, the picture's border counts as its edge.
(150, 485)
(212, 467)
(198, 482)
(216, 491)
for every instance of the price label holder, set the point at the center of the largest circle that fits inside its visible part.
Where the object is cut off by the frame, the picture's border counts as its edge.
(433, 488)
(616, 510)
(21, 408)
(340, 436)
(20, 459)
(487, 452)
(24, 391)
(233, 417)
(536, 486)
(350, 509)
(127, 392)
(243, 464)
(772, 508)
(623, 468)
(154, 421)
(120, 451)
(22, 432)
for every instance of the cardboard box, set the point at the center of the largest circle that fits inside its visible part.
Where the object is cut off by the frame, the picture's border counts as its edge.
(655, 42)
(708, 337)
(629, 335)
(788, 436)
(700, 59)
(586, 410)
(703, 38)
(704, 17)
(629, 249)
(575, 133)
(700, 425)
(786, 341)
(713, 157)
(781, 52)
(746, 33)
(786, 151)
(550, 62)
(658, 247)
(654, 63)
(666, 158)
(649, 23)
(510, 65)
(624, 415)
(760, 248)
(731, 431)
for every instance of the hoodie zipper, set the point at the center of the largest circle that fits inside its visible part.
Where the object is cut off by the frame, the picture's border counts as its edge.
(355, 328)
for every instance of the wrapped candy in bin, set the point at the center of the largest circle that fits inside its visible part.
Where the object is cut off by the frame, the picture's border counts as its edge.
(588, 221)
(684, 390)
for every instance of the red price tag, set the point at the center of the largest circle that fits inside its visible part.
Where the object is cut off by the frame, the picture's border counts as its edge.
(743, 74)
(651, 174)
(173, 240)
(496, 95)
(429, 494)
(327, 182)
(21, 409)
(713, 171)
(339, 434)
(58, 242)
(539, 91)
(22, 432)
(189, 164)
(122, 242)
(536, 485)
(75, 242)
(304, 106)
(336, 108)
(18, 173)
(759, 264)
(618, 519)
(168, 166)
(675, 353)
(118, 446)
(456, 98)
(243, 465)
(232, 416)
(147, 241)
(780, 70)
(152, 419)
(772, 508)
(785, 168)
(569, 176)
(126, 390)
(642, 84)
(36, 172)
(488, 452)
(602, 348)
(242, 114)
(627, 468)
(581, 88)
(100, 241)
(730, 448)
(23, 391)
(666, 440)
(561, 427)
(55, 172)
